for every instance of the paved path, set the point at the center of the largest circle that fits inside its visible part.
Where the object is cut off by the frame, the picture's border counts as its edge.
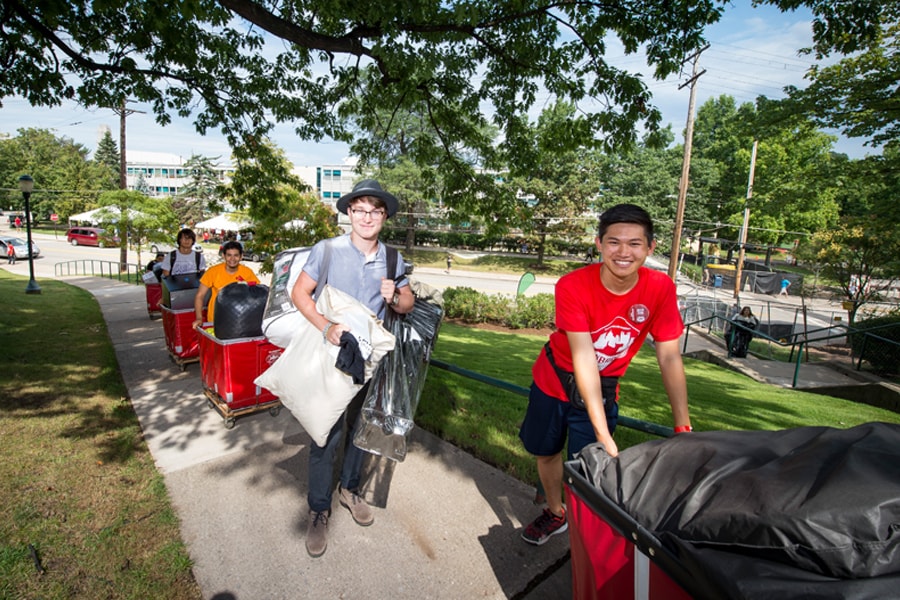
(447, 525)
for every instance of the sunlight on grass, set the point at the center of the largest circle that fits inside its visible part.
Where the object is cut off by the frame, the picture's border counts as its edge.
(484, 420)
(77, 482)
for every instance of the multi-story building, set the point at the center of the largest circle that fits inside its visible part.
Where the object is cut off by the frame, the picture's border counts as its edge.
(161, 174)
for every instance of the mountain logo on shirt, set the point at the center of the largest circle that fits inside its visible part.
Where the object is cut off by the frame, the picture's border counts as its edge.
(613, 341)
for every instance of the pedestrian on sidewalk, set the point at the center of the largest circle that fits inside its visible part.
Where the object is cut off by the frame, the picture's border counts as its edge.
(449, 262)
(355, 263)
(741, 336)
(18, 224)
(785, 284)
(10, 253)
(604, 312)
(184, 259)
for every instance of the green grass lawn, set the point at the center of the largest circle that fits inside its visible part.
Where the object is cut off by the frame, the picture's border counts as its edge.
(484, 419)
(491, 263)
(80, 495)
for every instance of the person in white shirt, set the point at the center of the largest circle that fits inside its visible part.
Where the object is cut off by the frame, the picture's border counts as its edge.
(184, 259)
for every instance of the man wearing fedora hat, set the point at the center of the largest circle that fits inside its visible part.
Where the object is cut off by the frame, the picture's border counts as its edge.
(356, 263)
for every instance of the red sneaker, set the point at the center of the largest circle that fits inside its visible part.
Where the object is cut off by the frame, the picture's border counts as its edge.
(545, 526)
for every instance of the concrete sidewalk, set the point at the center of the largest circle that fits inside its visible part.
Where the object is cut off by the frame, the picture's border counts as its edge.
(448, 525)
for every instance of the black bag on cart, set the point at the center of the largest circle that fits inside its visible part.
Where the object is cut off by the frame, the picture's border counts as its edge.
(239, 311)
(812, 512)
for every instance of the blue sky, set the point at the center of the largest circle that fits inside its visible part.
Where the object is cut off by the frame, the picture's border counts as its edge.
(752, 52)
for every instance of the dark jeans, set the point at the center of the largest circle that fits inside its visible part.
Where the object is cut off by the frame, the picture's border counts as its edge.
(322, 458)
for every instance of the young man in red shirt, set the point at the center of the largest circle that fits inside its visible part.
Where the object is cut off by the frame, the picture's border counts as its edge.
(604, 312)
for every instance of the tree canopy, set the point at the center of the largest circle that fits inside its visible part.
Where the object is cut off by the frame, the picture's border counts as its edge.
(857, 95)
(66, 181)
(242, 65)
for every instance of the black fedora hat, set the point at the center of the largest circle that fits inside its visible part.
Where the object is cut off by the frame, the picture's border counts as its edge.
(369, 187)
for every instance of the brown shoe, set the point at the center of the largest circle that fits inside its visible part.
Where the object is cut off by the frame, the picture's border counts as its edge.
(317, 533)
(361, 511)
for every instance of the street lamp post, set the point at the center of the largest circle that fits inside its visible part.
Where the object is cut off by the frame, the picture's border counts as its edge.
(26, 184)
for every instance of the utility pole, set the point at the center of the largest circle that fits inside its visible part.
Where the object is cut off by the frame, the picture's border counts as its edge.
(743, 241)
(685, 165)
(123, 112)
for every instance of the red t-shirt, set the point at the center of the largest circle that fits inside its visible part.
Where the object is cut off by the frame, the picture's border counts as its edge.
(618, 324)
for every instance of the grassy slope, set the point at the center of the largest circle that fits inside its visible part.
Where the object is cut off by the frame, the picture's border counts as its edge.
(484, 419)
(77, 482)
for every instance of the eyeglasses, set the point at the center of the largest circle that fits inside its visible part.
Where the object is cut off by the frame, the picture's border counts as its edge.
(376, 214)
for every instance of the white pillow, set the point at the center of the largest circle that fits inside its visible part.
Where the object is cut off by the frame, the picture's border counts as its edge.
(304, 377)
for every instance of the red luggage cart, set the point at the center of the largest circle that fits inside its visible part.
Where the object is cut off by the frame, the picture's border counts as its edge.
(154, 297)
(606, 565)
(738, 515)
(182, 340)
(228, 368)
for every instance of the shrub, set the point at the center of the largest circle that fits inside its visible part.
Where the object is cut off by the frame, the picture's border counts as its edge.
(534, 312)
(884, 356)
(471, 306)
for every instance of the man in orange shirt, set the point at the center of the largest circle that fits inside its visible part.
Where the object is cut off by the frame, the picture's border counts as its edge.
(217, 277)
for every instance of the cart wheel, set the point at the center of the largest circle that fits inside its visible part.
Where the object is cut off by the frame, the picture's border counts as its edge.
(210, 403)
(182, 365)
(274, 411)
(229, 423)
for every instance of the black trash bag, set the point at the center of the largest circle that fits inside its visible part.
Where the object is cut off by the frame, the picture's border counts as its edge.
(239, 311)
(810, 512)
(386, 418)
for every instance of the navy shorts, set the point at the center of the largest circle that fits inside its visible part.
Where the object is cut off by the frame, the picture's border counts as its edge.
(548, 420)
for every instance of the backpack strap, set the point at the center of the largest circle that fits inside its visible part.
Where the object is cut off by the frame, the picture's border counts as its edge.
(323, 270)
(392, 257)
(174, 255)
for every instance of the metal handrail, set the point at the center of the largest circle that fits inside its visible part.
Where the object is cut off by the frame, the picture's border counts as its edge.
(100, 268)
(797, 340)
(631, 423)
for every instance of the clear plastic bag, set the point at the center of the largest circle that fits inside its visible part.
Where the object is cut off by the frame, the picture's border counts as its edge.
(386, 418)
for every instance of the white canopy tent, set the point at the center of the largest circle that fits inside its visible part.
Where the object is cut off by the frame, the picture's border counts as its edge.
(104, 214)
(225, 221)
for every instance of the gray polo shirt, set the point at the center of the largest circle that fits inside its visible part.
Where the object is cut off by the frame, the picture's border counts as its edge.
(354, 273)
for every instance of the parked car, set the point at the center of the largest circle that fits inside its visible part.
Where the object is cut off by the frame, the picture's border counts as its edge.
(91, 236)
(20, 246)
(163, 247)
(253, 254)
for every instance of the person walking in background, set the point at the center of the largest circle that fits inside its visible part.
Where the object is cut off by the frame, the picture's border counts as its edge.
(357, 264)
(218, 276)
(604, 312)
(785, 284)
(10, 253)
(741, 336)
(156, 265)
(449, 262)
(184, 259)
(18, 224)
